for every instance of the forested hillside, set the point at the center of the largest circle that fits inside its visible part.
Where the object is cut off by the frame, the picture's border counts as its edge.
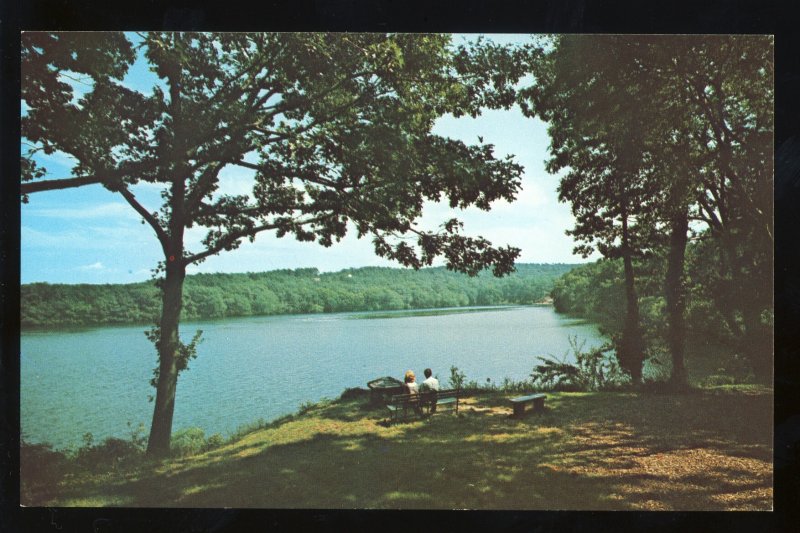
(208, 296)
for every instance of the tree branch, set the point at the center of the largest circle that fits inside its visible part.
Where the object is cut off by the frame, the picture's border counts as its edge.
(148, 217)
(235, 236)
(203, 182)
(318, 180)
(58, 184)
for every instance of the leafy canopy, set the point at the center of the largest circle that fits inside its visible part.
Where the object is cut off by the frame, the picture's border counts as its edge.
(335, 127)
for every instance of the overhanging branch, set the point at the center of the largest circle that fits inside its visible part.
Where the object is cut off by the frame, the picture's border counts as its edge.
(58, 184)
(230, 238)
(319, 180)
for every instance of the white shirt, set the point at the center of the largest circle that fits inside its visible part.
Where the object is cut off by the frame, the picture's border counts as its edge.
(430, 384)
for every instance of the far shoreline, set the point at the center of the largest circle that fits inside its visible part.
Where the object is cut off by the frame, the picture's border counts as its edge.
(416, 311)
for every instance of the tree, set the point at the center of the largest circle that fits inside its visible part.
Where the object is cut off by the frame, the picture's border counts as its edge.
(709, 102)
(583, 89)
(690, 120)
(727, 83)
(335, 127)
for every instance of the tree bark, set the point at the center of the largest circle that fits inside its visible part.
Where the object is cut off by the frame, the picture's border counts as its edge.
(169, 343)
(158, 444)
(674, 294)
(631, 357)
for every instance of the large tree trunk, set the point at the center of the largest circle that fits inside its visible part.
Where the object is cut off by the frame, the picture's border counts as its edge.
(632, 344)
(674, 293)
(169, 344)
(631, 357)
(158, 444)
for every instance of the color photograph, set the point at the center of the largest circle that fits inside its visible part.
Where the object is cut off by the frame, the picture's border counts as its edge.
(396, 271)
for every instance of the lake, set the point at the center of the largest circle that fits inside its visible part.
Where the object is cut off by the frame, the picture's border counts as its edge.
(97, 380)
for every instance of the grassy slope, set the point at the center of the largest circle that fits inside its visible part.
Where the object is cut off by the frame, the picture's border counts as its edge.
(710, 449)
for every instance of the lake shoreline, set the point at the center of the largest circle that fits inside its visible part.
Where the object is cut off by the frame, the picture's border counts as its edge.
(472, 457)
(94, 326)
(265, 367)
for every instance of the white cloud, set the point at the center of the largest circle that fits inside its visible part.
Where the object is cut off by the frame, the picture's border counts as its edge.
(530, 197)
(94, 266)
(235, 180)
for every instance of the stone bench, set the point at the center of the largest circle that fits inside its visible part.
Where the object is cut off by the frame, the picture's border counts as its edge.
(520, 402)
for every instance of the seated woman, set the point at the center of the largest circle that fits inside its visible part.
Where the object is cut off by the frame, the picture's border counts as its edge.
(411, 385)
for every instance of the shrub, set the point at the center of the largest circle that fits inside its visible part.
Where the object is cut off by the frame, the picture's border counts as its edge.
(471, 385)
(214, 441)
(509, 385)
(41, 469)
(457, 378)
(137, 435)
(305, 407)
(352, 393)
(657, 365)
(596, 369)
(110, 454)
(188, 441)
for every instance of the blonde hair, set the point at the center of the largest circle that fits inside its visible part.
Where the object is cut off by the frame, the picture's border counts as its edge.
(410, 376)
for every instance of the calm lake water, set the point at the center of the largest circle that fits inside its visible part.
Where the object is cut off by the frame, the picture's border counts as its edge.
(264, 367)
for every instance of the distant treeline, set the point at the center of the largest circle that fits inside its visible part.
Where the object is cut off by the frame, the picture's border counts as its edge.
(210, 296)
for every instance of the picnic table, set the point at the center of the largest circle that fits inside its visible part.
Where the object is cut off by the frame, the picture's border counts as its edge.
(383, 388)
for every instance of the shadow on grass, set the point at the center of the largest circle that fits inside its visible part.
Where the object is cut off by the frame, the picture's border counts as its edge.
(585, 451)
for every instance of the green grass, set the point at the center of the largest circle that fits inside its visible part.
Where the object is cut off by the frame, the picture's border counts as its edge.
(706, 449)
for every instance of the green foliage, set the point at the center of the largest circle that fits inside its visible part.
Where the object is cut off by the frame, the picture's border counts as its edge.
(188, 441)
(41, 468)
(305, 407)
(111, 454)
(715, 309)
(457, 378)
(44, 304)
(652, 132)
(340, 126)
(186, 352)
(137, 435)
(592, 370)
(211, 296)
(335, 130)
(509, 385)
(191, 441)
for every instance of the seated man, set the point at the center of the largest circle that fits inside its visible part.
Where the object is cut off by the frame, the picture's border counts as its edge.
(430, 385)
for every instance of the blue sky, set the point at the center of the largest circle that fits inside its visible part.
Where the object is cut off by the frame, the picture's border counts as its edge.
(90, 235)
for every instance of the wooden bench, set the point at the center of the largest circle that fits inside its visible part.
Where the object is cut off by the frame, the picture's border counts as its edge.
(520, 402)
(401, 404)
